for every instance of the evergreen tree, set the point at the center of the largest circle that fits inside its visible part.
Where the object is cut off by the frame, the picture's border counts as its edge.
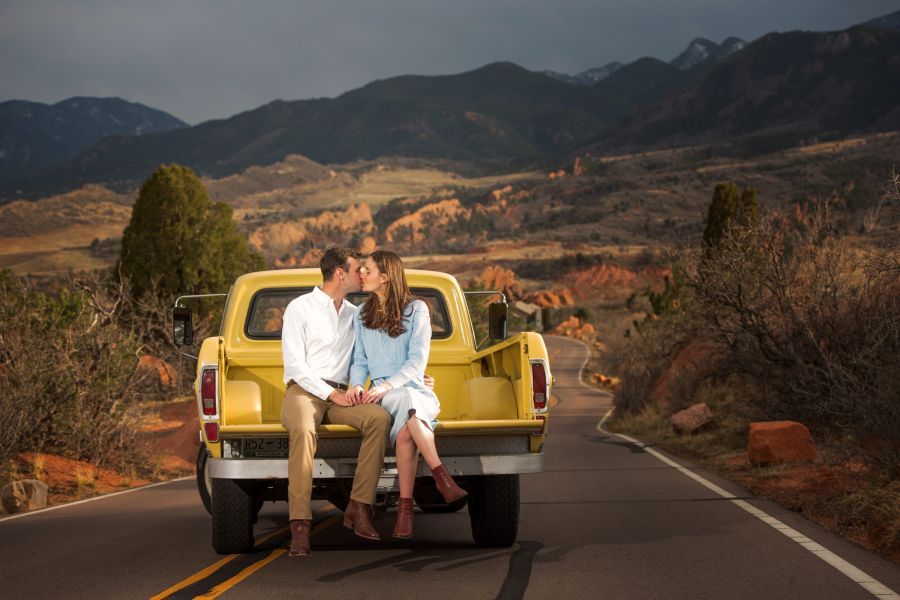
(729, 206)
(180, 237)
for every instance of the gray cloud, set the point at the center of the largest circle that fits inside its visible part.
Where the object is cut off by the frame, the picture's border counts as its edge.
(203, 59)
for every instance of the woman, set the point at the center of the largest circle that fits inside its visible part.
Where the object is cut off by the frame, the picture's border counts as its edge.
(393, 333)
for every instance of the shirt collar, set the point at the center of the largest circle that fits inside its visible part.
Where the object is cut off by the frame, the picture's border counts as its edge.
(324, 299)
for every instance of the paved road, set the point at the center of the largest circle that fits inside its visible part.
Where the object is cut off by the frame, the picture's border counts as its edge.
(607, 519)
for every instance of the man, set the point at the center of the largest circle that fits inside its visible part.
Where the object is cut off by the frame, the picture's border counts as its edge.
(317, 343)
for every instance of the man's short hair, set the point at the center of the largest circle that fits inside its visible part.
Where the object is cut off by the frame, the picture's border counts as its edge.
(336, 257)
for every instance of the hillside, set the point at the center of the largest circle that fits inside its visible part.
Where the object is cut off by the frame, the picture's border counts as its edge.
(499, 113)
(781, 90)
(34, 135)
(789, 84)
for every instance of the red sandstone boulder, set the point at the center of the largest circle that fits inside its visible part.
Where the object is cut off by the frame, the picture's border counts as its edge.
(161, 371)
(778, 442)
(692, 419)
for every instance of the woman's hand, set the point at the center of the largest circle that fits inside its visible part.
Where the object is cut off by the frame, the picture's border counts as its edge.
(355, 395)
(375, 393)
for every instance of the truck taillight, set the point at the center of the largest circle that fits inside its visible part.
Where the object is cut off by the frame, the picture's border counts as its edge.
(539, 387)
(212, 431)
(208, 391)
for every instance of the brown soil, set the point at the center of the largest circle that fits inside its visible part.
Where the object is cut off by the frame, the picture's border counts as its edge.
(171, 430)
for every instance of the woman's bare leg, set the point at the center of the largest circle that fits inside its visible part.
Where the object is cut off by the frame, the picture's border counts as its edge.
(424, 439)
(407, 462)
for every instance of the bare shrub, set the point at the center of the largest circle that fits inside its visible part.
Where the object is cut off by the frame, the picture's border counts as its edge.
(812, 320)
(66, 374)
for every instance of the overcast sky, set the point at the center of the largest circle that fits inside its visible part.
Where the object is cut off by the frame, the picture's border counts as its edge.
(205, 59)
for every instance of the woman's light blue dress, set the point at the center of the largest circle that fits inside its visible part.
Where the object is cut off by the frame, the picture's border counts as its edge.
(399, 361)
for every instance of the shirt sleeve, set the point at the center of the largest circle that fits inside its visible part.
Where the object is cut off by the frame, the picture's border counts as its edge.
(419, 344)
(359, 363)
(293, 349)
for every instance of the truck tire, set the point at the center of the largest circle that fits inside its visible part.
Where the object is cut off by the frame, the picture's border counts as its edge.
(232, 516)
(494, 510)
(204, 481)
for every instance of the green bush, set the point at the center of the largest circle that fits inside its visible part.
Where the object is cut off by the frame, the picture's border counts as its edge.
(180, 242)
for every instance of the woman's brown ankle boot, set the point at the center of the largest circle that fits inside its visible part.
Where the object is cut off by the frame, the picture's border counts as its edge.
(445, 484)
(403, 530)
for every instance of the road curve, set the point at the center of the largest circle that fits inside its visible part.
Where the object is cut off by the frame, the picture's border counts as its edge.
(608, 518)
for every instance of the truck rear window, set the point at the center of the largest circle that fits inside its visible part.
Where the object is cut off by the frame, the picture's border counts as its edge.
(267, 311)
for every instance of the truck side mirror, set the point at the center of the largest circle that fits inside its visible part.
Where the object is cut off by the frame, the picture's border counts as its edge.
(498, 313)
(182, 326)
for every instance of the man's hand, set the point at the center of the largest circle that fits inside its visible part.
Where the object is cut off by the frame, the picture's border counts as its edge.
(429, 381)
(338, 397)
(355, 394)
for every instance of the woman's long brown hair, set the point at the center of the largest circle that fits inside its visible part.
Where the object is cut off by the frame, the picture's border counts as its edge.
(389, 317)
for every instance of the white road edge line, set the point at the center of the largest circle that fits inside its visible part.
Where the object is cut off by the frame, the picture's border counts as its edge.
(68, 504)
(860, 577)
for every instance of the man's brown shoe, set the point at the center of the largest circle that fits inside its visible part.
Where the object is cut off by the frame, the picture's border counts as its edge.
(300, 537)
(445, 484)
(358, 517)
(403, 530)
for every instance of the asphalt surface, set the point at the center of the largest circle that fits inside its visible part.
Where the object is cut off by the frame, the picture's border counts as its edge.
(606, 519)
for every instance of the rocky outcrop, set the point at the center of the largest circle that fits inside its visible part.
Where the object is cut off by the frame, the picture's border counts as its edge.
(692, 419)
(694, 362)
(613, 283)
(161, 372)
(552, 298)
(573, 327)
(577, 168)
(23, 495)
(426, 220)
(779, 442)
(329, 227)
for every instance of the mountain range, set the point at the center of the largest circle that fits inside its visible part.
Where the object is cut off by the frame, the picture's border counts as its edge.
(504, 115)
(35, 135)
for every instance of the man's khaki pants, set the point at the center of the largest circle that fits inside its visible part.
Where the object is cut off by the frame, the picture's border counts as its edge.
(301, 413)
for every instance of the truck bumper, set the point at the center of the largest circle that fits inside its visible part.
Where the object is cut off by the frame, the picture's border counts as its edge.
(333, 468)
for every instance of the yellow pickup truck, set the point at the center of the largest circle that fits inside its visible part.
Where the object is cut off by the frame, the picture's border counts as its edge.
(494, 410)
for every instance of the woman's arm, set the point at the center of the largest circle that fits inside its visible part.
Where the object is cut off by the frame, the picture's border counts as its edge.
(359, 363)
(419, 344)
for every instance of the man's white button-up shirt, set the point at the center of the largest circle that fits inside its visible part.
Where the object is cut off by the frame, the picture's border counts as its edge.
(317, 342)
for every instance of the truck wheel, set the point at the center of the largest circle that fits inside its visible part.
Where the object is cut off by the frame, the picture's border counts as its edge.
(232, 516)
(494, 509)
(204, 481)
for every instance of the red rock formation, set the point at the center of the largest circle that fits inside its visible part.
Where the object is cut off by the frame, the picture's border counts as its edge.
(697, 360)
(496, 277)
(577, 168)
(367, 245)
(778, 442)
(281, 238)
(552, 298)
(162, 372)
(431, 216)
(692, 419)
(573, 327)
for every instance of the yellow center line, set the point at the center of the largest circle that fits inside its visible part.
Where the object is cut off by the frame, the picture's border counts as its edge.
(204, 573)
(277, 532)
(196, 577)
(227, 585)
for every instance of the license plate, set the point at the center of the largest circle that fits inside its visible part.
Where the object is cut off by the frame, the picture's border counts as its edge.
(265, 447)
